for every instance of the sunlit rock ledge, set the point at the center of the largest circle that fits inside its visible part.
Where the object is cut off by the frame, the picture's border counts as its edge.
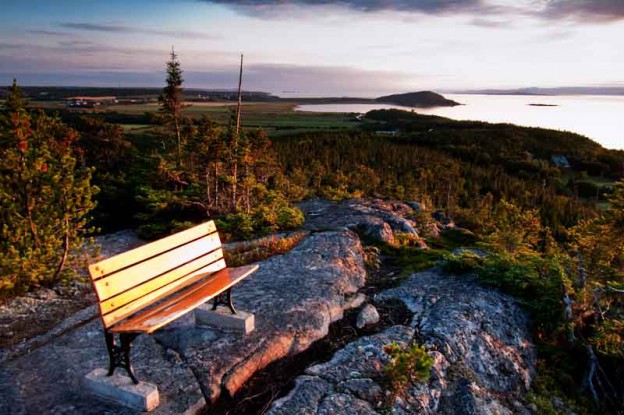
(479, 338)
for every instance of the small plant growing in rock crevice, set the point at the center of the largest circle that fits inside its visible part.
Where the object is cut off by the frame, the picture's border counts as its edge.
(406, 366)
(372, 257)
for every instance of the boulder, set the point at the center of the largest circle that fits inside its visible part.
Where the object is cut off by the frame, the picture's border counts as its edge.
(483, 358)
(376, 219)
(483, 329)
(295, 297)
(367, 316)
(376, 229)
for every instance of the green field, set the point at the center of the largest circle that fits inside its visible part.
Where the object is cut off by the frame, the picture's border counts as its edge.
(277, 118)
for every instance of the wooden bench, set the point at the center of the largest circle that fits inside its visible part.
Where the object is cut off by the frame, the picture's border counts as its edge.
(142, 290)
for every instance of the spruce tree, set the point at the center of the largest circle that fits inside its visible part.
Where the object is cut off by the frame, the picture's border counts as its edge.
(45, 198)
(15, 101)
(171, 101)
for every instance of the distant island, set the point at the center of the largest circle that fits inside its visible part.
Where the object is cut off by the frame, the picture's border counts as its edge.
(543, 105)
(567, 90)
(422, 99)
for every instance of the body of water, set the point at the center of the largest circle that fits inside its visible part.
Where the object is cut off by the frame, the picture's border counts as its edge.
(600, 118)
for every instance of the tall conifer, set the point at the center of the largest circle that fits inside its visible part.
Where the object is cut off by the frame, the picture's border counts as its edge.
(171, 101)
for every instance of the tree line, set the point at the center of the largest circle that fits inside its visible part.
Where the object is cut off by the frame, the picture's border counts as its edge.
(552, 246)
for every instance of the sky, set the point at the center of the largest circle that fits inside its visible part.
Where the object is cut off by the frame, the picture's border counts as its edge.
(315, 47)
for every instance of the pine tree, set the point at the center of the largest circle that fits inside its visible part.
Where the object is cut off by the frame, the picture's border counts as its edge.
(516, 230)
(45, 198)
(171, 101)
(15, 101)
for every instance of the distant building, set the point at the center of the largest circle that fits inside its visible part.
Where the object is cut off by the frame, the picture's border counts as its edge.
(388, 132)
(560, 161)
(89, 102)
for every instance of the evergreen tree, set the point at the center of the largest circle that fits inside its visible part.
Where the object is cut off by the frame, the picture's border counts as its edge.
(516, 231)
(171, 101)
(45, 198)
(599, 247)
(15, 101)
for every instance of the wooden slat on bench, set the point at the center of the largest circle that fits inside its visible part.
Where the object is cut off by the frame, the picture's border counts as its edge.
(113, 264)
(176, 276)
(144, 271)
(184, 302)
(118, 308)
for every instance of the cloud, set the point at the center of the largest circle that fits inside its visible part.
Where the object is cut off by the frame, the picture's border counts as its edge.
(76, 55)
(76, 43)
(275, 78)
(49, 33)
(582, 10)
(491, 23)
(122, 28)
(271, 7)
(318, 80)
(10, 46)
(594, 10)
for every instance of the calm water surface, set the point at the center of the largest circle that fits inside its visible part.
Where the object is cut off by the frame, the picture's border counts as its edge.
(600, 118)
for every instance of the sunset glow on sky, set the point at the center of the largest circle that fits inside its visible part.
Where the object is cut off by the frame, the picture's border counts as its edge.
(363, 48)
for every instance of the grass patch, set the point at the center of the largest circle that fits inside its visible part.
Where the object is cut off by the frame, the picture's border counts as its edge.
(454, 238)
(261, 249)
(277, 118)
(548, 395)
(412, 259)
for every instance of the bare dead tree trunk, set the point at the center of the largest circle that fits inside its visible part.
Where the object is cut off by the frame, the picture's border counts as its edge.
(581, 272)
(235, 138)
(568, 317)
(216, 184)
(31, 221)
(591, 372)
(29, 215)
(247, 190)
(448, 200)
(238, 107)
(176, 122)
(208, 193)
(65, 254)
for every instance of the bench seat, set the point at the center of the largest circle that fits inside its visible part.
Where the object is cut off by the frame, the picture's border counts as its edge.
(183, 301)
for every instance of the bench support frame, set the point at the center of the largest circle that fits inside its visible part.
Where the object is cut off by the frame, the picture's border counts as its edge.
(224, 298)
(119, 354)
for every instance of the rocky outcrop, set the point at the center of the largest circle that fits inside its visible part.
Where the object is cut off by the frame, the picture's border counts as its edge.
(478, 338)
(376, 219)
(294, 296)
(479, 327)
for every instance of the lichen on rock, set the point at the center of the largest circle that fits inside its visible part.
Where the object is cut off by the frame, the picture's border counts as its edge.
(479, 340)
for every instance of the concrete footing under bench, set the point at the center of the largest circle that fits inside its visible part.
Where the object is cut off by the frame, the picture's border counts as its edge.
(222, 317)
(120, 389)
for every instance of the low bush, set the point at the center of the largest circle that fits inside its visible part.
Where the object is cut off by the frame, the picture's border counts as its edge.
(407, 365)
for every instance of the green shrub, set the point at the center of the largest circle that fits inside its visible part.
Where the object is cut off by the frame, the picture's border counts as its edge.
(239, 225)
(406, 239)
(289, 217)
(406, 366)
(463, 263)
(45, 199)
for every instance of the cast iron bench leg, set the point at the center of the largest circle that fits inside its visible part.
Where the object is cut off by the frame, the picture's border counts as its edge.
(119, 355)
(224, 298)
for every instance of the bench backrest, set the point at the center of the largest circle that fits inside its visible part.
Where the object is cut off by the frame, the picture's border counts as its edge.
(129, 282)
